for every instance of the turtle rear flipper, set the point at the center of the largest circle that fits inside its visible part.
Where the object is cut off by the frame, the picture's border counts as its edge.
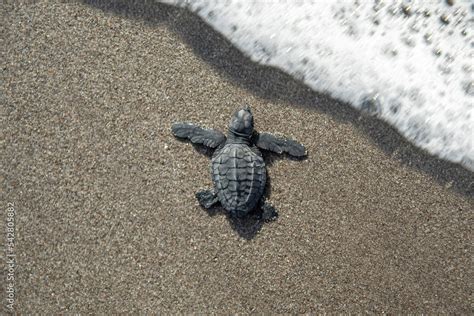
(207, 198)
(268, 212)
(279, 145)
(198, 135)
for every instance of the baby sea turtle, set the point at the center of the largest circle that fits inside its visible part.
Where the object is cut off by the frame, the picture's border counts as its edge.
(237, 168)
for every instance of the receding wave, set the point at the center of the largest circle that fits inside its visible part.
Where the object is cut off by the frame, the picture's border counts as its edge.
(409, 64)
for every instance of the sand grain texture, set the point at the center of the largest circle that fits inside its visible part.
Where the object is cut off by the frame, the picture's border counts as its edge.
(106, 215)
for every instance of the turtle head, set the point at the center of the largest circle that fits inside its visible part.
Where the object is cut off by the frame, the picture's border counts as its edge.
(241, 123)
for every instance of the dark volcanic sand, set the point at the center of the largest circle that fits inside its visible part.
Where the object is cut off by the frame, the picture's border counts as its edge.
(106, 216)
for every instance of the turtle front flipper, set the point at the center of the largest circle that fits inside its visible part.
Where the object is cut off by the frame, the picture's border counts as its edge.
(207, 198)
(198, 135)
(279, 145)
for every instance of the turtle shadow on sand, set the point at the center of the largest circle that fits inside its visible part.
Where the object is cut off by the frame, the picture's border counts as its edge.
(273, 84)
(247, 227)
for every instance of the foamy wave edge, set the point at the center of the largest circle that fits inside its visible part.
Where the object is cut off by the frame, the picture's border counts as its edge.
(422, 87)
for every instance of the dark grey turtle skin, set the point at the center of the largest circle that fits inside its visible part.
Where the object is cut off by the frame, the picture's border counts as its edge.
(238, 169)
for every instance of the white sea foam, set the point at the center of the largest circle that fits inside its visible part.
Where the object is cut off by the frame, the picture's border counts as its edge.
(410, 63)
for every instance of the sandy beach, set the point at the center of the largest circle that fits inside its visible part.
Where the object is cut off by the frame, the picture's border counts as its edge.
(105, 215)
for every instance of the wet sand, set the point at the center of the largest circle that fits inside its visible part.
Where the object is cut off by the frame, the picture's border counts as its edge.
(106, 218)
